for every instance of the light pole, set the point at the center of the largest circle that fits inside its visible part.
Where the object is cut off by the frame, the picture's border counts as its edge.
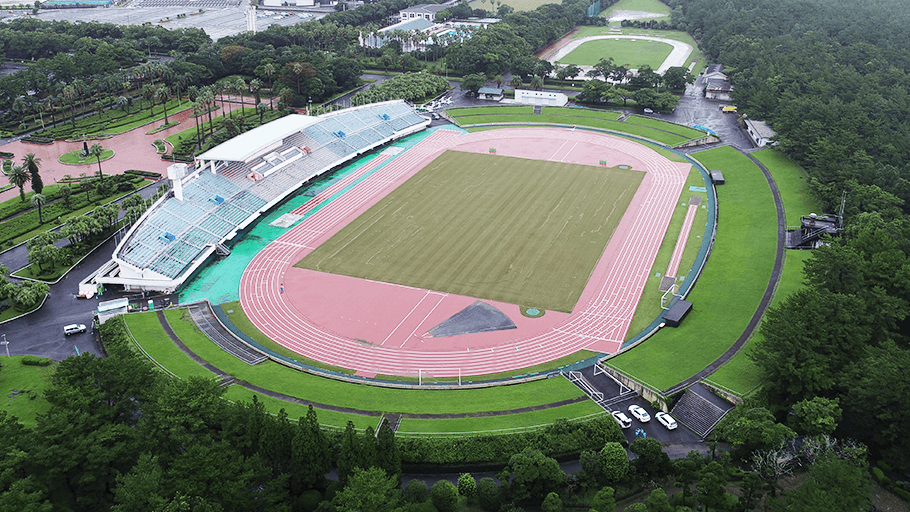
(310, 110)
(6, 343)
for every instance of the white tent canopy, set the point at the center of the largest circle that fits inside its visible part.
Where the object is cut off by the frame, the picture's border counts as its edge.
(251, 143)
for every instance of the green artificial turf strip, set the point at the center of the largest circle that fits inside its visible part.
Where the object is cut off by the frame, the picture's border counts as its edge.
(295, 411)
(741, 375)
(522, 420)
(30, 382)
(626, 52)
(731, 286)
(499, 228)
(472, 111)
(792, 182)
(299, 384)
(678, 129)
(654, 6)
(631, 129)
(149, 334)
(649, 304)
(582, 112)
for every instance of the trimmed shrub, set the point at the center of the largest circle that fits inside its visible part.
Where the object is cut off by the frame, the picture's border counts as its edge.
(36, 361)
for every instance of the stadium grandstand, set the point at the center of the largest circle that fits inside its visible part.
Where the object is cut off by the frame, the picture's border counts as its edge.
(229, 186)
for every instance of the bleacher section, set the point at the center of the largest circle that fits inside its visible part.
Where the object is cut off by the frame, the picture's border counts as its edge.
(216, 204)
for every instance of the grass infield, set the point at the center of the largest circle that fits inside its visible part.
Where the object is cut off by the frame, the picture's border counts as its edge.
(499, 228)
(655, 6)
(626, 52)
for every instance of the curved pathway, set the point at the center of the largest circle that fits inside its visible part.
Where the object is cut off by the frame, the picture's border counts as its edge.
(677, 57)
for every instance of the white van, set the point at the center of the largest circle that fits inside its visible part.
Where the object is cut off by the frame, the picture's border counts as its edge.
(73, 329)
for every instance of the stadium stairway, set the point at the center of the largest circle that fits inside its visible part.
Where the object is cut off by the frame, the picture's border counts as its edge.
(204, 318)
(700, 410)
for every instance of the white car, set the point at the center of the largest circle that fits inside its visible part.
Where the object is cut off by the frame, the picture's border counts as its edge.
(639, 413)
(648, 111)
(73, 329)
(666, 420)
(622, 419)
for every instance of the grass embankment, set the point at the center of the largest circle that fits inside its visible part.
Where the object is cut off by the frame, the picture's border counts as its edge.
(729, 289)
(579, 117)
(502, 423)
(630, 53)
(660, 124)
(24, 386)
(740, 375)
(328, 391)
(471, 111)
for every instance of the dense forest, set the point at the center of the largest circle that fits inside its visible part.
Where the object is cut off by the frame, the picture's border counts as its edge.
(832, 78)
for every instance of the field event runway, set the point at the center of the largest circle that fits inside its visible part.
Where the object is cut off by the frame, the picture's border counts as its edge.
(380, 328)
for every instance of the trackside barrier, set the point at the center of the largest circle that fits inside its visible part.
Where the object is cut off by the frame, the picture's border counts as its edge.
(723, 391)
(646, 391)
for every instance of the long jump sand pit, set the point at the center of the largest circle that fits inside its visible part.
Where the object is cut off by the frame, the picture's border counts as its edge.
(383, 328)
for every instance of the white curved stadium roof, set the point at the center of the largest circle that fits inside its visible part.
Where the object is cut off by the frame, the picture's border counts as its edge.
(251, 143)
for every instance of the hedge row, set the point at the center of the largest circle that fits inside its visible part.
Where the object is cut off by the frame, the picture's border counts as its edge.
(37, 140)
(31, 360)
(560, 438)
(145, 174)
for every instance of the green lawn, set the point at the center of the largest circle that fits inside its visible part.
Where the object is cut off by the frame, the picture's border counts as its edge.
(30, 382)
(151, 338)
(522, 420)
(609, 115)
(678, 129)
(298, 384)
(543, 227)
(625, 52)
(741, 375)
(518, 5)
(655, 6)
(792, 183)
(606, 124)
(76, 158)
(731, 286)
(458, 112)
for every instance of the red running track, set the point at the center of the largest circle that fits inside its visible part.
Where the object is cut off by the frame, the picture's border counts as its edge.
(381, 328)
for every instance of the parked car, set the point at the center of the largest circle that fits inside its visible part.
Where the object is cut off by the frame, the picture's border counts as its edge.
(666, 420)
(622, 419)
(648, 111)
(73, 329)
(639, 413)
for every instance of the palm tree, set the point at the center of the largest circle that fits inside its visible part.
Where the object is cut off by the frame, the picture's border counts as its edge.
(39, 200)
(38, 107)
(162, 94)
(66, 192)
(31, 163)
(261, 108)
(19, 177)
(269, 70)
(96, 150)
(122, 103)
(69, 92)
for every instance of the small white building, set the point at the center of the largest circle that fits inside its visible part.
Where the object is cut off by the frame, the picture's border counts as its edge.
(490, 93)
(425, 11)
(760, 132)
(544, 98)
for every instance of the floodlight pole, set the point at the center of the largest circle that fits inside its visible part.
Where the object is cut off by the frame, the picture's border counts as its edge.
(6, 343)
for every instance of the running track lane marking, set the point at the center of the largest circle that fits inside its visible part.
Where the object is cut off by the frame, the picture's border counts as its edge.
(676, 258)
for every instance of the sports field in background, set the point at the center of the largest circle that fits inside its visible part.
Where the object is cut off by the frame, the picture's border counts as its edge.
(626, 52)
(654, 6)
(499, 228)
